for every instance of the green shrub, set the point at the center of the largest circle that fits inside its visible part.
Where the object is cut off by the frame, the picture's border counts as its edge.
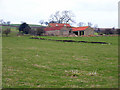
(7, 31)
(40, 31)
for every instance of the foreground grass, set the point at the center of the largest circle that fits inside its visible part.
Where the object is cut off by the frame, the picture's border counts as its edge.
(29, 63)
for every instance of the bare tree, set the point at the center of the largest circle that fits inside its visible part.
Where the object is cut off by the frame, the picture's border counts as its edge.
(4, 23)
(95, 26)
(62, 17)
(46, 23)
(80, 24)
(1, 21)
(90, 24)
(41, 22)
(8, 22)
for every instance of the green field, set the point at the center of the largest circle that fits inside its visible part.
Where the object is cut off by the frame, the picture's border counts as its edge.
(32, 25)
(14, 28)
(33, 63)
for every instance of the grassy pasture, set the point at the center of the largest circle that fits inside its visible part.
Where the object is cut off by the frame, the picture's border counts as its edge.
(32, 25)
(16, 28)
(30, 63)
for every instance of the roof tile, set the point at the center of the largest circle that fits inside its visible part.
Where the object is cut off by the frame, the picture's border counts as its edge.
(53, 28)
(59, 24)
(79, 28)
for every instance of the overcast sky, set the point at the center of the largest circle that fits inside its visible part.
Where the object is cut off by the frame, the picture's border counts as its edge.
(101, 12)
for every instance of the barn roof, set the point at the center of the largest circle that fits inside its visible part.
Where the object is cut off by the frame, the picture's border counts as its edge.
(79, 28)
(53, 28)
(59, 24)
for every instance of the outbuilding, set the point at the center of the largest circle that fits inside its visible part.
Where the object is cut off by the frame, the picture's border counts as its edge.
(86, 30)
(56, 31)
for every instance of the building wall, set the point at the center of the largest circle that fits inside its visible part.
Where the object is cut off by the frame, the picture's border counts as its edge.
(54, 32)
(63, 31)
(89, 31)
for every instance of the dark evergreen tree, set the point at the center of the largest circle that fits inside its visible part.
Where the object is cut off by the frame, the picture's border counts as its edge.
(25, 28)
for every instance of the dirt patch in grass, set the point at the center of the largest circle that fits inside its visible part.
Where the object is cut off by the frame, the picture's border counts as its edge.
(40, 66)
(70, 41)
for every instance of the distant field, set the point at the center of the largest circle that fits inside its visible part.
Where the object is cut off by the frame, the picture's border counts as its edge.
(34, 25)
(16, 28)
(30, 63)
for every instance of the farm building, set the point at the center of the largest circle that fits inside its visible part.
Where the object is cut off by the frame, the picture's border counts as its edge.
(66, 29)
(58, 24)
(87, 30)
(57, 29)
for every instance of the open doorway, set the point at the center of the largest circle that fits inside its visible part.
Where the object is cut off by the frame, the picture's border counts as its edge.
(76, 33)
(79, 33)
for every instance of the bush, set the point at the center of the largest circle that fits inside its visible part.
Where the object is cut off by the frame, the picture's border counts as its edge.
(32, 32)
(25, 28)
(108, 31)
(118, 31)
(40, 31)
(95, 33)
(7, 31)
